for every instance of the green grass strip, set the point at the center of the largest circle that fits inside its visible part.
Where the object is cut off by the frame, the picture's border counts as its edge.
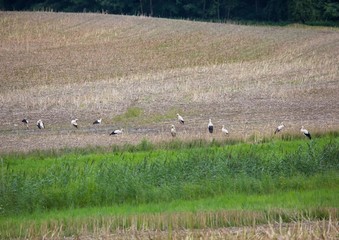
(226, 210)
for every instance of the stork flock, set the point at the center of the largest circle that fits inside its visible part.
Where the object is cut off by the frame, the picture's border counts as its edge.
(302, 130)
(224, 131)
(210, 127)
(74, 122)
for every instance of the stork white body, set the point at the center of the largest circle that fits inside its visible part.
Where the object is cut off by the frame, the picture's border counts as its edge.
(74, 122)
(305, 132)
(40, 124)
(173, 131)
(224, 130)
(279, 128)
(97, 121)
(117, 132)
(180, 119)
(210, 126)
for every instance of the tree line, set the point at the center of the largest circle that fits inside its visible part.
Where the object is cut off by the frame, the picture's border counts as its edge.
(219, 10)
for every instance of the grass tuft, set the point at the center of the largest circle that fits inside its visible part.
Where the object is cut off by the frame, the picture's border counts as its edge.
(131, 114)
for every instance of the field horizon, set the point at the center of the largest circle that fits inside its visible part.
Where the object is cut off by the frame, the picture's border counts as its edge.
(137, 72)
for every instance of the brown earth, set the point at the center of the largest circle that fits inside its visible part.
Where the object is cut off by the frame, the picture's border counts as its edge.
(136, 73)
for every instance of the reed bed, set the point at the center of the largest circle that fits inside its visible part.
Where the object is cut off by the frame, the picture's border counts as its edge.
(45, 182)
(41, 189)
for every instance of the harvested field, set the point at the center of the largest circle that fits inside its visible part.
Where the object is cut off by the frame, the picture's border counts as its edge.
(138, 72)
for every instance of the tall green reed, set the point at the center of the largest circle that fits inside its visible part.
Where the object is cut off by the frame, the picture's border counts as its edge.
(151, 175)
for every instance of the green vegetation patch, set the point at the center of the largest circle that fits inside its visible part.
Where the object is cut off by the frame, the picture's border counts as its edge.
(130, 114)
(160, 117)
(194, 184)
(57, 181)
(212, 212)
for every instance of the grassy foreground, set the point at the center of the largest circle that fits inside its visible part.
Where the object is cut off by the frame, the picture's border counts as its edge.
(178, 185)
(234, 210)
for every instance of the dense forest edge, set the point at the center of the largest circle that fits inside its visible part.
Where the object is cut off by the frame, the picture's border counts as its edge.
(312, 12)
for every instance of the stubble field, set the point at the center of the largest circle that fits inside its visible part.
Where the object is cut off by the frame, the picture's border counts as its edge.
(136, 73)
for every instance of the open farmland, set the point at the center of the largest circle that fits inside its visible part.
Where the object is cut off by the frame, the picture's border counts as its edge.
(138, 72)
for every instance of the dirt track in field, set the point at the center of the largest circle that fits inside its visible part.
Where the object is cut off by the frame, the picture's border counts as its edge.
(136, 73)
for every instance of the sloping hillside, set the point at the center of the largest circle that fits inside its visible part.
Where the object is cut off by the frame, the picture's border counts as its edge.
(138, 72)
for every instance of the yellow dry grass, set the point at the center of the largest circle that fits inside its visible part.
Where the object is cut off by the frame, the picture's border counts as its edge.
(58, 66)
(296, 230)
(99, 229)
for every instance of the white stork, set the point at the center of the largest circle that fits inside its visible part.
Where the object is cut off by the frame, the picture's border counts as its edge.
(305, 132)
(74, 122)
(224, 130)
(117, 132)
(279, 128)
(25, 121)
(210, 126)
(180, 119)
(40, 124)
(173, 131)
(97, 121)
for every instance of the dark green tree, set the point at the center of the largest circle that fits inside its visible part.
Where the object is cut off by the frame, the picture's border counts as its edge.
(229, 6)
(257, 10)
(302, 10)
(331, 11)
(275, 10)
